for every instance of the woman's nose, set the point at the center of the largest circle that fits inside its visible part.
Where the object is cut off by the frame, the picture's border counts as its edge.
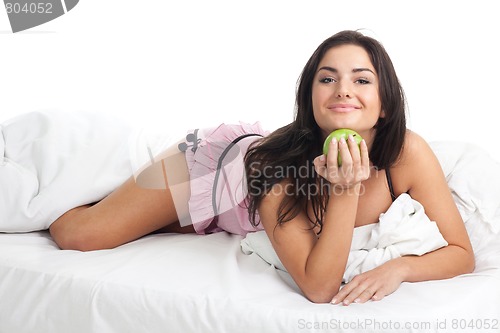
(342, 90)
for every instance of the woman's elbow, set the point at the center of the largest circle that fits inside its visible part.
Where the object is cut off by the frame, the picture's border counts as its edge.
(470, 264)
(317, 294)
(320, 299)
(466, 262)
(469, 261)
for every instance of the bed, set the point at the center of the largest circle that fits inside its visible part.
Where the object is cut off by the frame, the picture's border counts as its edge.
(192, 283)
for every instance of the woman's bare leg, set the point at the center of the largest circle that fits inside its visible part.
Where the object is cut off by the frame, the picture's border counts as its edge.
(128, 213)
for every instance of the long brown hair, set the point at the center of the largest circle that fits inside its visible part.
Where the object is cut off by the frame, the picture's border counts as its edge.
(285, 152)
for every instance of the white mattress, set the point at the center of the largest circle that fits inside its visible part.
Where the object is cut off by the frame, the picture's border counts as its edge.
(192, 283)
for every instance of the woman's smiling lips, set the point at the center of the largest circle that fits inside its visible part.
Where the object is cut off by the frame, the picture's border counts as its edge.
(341, 107)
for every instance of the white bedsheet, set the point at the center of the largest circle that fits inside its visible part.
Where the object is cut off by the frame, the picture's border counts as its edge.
(191, 283)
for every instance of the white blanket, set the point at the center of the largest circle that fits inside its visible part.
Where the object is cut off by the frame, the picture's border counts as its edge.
(403, 230)
(52, 161)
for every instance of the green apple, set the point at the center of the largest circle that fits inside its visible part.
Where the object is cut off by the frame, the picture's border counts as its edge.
(338, 134)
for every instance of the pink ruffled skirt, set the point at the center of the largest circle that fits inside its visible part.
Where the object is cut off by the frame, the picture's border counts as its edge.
(215, 159)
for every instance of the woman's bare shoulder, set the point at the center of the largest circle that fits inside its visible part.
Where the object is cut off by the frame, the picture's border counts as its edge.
(415, 150)
(416, 161)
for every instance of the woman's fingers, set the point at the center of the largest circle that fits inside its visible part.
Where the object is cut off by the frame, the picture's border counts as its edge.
(365, 160)
(357, 293)
(333, 152)
(355, 163)
(320, 166)
(364, 296)
(354, 150)
(373, 285)
(345, 154)
(326, 165)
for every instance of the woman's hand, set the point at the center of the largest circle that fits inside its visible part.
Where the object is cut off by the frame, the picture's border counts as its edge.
(355, 163)
(374, 284)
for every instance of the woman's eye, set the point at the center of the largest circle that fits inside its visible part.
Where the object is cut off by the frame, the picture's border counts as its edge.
(327, 80)
(362, 81)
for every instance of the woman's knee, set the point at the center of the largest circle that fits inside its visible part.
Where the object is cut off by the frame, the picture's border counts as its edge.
(62, 236)
(69, 232)
(76, 239)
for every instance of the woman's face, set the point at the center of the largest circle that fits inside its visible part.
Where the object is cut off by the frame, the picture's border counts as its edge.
(345, 92)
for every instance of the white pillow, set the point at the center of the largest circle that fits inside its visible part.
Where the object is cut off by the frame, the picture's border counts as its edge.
(474, 180)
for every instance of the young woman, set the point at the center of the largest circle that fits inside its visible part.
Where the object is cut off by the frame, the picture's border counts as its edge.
(308, 205)
(350, 82)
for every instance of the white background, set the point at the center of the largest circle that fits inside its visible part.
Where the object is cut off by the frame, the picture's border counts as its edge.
(175, 65)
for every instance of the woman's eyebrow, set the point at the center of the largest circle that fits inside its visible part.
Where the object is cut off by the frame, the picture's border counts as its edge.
(331, 69)
(355, 70)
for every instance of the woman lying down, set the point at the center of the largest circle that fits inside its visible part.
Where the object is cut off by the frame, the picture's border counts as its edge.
(310, 202)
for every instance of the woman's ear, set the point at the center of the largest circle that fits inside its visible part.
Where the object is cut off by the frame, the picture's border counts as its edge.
(382, 114)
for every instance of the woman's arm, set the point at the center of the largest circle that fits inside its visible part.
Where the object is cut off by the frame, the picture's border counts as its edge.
(429, 187)
(420, 173)
(318, 264)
